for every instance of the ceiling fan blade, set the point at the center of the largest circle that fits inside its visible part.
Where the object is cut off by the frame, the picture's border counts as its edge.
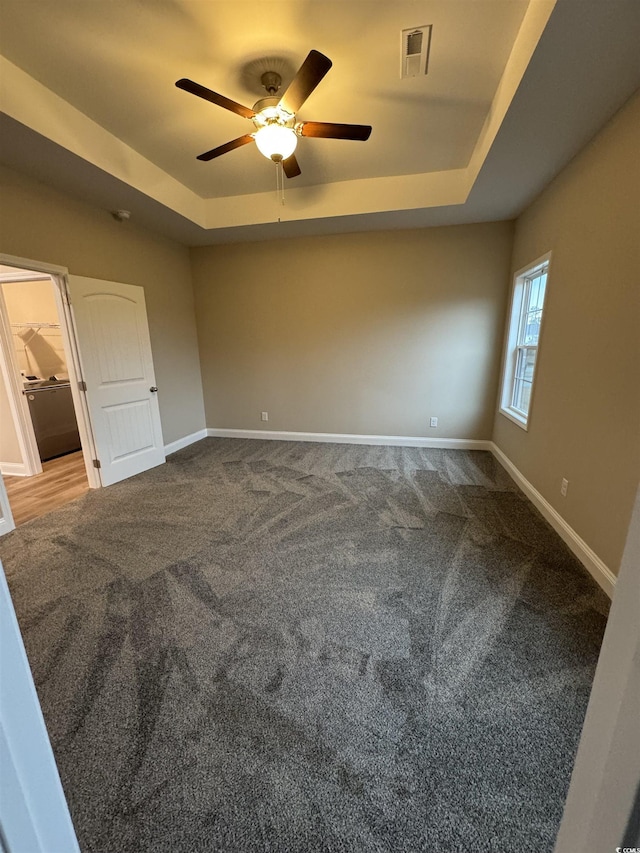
(309, 75)
(214, 97)
(328, 130)
(228, 146)
(290, 167)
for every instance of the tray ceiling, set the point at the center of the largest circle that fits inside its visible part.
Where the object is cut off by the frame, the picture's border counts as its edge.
(88, 90)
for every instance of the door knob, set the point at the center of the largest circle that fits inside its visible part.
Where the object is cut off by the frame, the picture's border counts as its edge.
(153, 389)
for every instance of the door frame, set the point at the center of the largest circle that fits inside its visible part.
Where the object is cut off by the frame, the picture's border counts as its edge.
(17, 401)
(24, 427)
(6, 515)
(34, 814)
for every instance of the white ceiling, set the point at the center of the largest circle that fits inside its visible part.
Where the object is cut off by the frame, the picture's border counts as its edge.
(514, 89)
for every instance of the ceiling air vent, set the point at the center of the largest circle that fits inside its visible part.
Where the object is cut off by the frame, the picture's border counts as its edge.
(415, 51)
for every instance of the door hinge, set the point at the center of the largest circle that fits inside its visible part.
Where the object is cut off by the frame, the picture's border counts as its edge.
(96, 463)
(82, 385)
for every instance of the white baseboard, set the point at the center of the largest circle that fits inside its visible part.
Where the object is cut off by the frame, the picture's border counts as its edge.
(594, 565)
(174, 446)
(13, 469)
(589, 559)
(347, 438)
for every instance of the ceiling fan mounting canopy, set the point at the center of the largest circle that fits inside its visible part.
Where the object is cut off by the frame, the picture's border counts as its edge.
(277, 131)
(271, 81)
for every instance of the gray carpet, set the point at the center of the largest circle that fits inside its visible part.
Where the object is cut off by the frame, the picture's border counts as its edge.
(272, 646)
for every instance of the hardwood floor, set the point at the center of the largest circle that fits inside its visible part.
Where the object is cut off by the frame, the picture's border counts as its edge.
(62, 480)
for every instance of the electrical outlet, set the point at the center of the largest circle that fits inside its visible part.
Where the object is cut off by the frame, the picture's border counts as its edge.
(265, 416)
(433, 422)
(564, 485)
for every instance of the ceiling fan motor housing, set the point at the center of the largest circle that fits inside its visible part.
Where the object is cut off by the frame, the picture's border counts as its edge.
(268, 111)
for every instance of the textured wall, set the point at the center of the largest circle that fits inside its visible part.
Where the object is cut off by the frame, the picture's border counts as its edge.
(44, 225)
(585, 418)
(360, 333)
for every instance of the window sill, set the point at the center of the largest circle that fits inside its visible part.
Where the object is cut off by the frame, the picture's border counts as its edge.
(516, 417)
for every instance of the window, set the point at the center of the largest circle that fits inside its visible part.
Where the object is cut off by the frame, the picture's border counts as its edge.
(523, 336)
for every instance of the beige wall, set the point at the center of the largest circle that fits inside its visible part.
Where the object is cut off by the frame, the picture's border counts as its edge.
(9, 447)
(39, 350)
(41, 224)
(585, 419)
(360, 333)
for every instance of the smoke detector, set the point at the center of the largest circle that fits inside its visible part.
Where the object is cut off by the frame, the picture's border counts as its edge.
(416, 43)
(121, 215)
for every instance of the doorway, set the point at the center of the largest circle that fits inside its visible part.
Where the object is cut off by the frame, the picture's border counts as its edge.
(42, 457)
(113, 385)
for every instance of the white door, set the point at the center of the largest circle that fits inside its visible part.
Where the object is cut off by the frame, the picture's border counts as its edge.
(117, 366)
(6, 518)
(34, 815)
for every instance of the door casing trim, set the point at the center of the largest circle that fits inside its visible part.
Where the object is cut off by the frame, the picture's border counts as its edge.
(59, 275)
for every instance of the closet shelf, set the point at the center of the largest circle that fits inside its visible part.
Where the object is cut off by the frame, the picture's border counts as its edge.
(35, 325)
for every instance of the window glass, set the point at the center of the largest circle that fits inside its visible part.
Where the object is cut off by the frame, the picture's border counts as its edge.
(523, 338)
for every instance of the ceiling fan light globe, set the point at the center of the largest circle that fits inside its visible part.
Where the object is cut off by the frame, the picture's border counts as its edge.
(276, 142)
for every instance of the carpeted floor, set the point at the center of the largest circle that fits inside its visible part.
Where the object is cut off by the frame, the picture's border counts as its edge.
(283, 647)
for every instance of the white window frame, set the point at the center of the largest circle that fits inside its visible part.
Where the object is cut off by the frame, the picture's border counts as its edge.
(514, 320)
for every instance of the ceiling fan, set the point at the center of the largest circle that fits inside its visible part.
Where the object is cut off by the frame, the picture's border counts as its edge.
(277, 130)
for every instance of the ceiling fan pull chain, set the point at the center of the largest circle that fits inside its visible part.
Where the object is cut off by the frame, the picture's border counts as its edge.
(279, 182)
